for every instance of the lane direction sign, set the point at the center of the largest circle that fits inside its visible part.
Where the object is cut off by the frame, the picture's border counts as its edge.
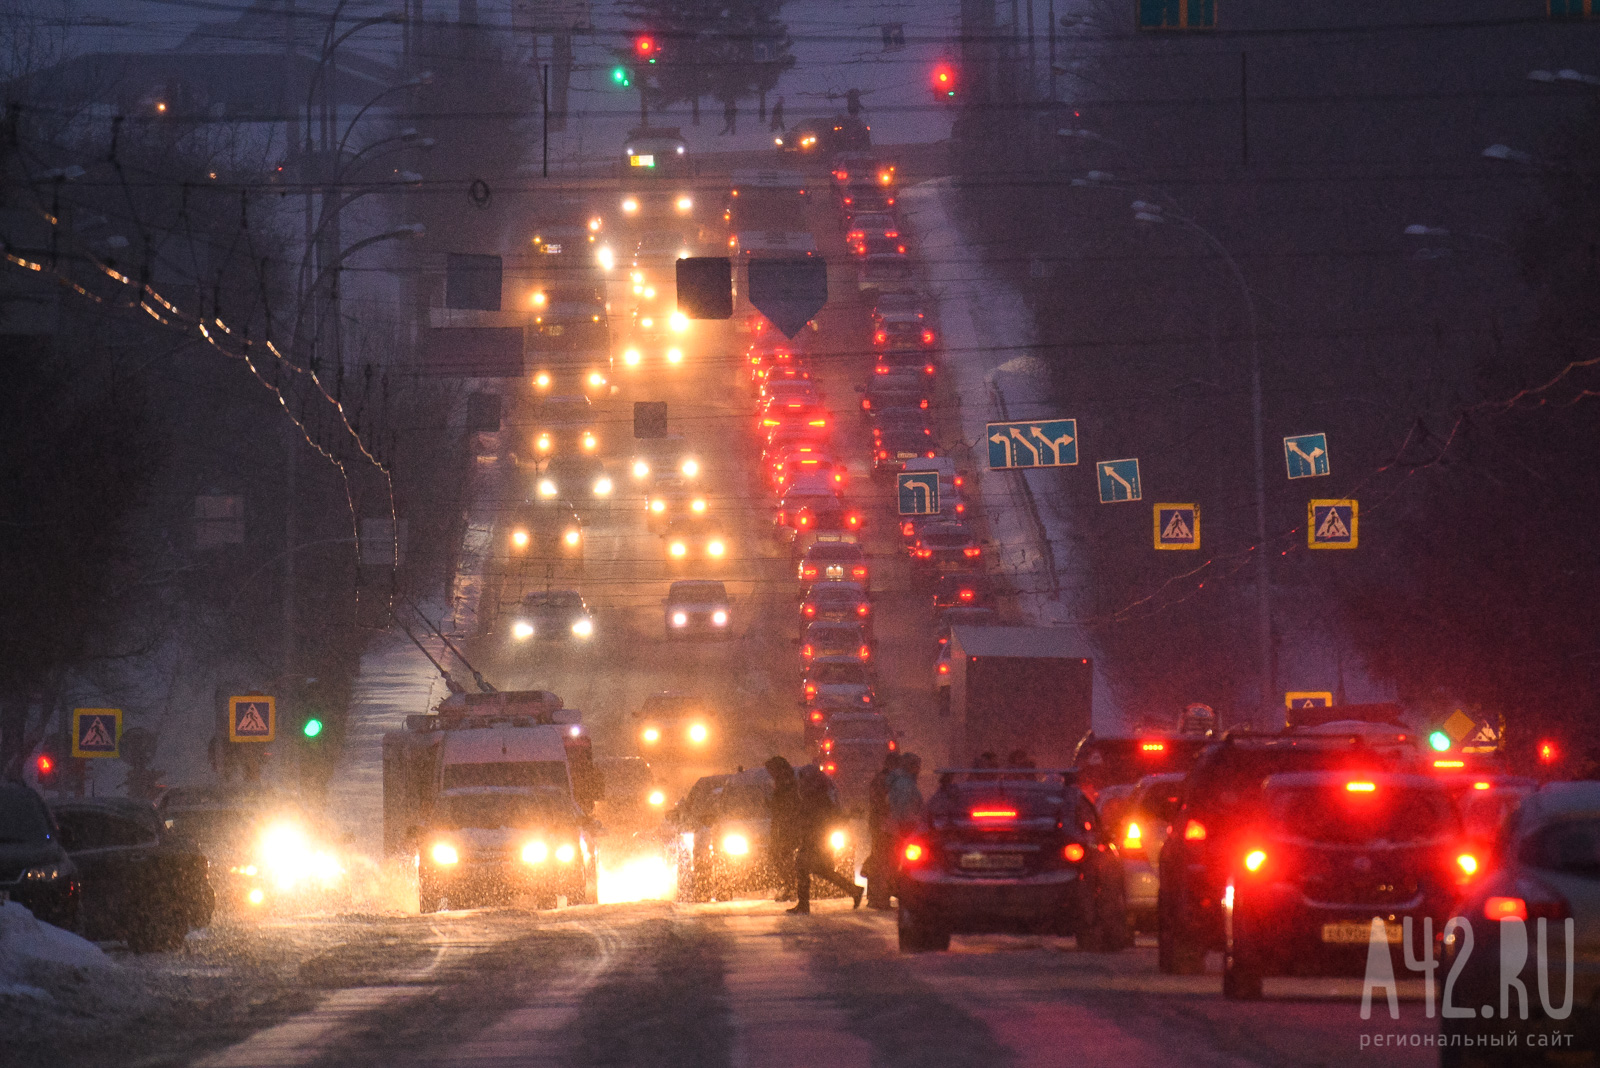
(96, 732)
(1331, 524)
(1306, 455)
(1119, 481)
(1177, 526)
(252, 718)
(918, 492)
(1033, 443)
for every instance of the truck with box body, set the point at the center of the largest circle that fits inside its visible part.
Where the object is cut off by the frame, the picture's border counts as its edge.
(1018, 688)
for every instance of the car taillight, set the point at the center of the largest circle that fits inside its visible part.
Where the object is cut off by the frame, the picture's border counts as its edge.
(880, 337)
(914, 853)
(803, 520)
(808, 610)
(852, 520)
(924, 554)
(858, 572)
(866, 404)
(1505, 908)
(944, 667)
(863, 608)
(880, 369)
(971, 551)
(908, 528)
(865, 652)
(1152, 747)
(811, 689)
(1255, 860)
(927, 337)
(816, 716)
(829, 767)
(1133, 839)
(1467, 864)
(965, 595)
(807, 652)
(929, 369)
(993, 813)
(960, 508)
(808, 572)
(1073, 852)
(1194, 831)
(827, 745)
(924, 403)
(883, 454)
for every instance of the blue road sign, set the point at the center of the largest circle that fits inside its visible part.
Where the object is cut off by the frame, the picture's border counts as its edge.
(1119, 481)
(1177, 526)
(96, 732)
(252, 718)
(1306, 455)
(918, 492)
(1037, 443)
(1331, 524)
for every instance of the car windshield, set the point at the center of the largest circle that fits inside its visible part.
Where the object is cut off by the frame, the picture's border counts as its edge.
(1228, 787)
(697, 592)
(22, 818)
(1571, 847)
(837, 674)
(671, 705)
(210, 824)
(1012, 800)
(742, 801)
(835, 591)
(1336, 815)
(505, 809)
(553, 601)
(859, 730)
(835, 551)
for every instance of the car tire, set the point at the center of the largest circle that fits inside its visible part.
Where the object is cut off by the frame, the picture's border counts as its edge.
(1239, 982)
(916, 937)
(157, 932)
(1109, 932)
(1177, 951)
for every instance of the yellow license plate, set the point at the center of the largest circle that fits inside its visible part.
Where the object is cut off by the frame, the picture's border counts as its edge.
(1353, 934)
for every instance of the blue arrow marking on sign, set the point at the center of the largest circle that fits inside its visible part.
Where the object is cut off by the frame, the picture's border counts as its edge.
(1306, 455)
(1119, 480)
(918, 492)
(1034, 443)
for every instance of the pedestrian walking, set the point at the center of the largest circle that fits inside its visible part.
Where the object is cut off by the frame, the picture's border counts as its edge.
(819, 812)
(777, 117)
(730, 115)
(785, 837)
(905, 797)
(879, 865)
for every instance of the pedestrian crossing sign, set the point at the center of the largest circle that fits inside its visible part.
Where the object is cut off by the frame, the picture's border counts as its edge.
(96, 732)
(252, 718)
(1177, 526)
(1308, 699)
(1331, 524)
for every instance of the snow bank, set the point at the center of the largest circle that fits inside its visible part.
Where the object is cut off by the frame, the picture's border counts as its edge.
(27, 945)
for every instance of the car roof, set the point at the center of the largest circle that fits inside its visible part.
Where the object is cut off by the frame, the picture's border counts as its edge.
(1560, 800)
(854, 589)
(835, 550)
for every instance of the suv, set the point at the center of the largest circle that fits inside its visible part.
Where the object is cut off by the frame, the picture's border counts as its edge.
(490, 843)
(1325, 855)
(35, 870)
(674, 725)
(1012, 852)
(697, 606)
(1220, 796)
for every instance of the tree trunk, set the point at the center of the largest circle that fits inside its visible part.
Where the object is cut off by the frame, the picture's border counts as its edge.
(694, 111)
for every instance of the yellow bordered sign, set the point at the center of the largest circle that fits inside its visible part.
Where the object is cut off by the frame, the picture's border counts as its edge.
(1308, 699)
(96, 732)
(1331, 524)
(252, 718)
(1177, 526)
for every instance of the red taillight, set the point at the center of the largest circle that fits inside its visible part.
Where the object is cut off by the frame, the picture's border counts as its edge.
(863, 608)
(914, 852)
(1152, 747)
(927, 337)
(827, 745)
(807, 652)
(816, 716)
(1194, 831)
(804, 521)
(994, 813)
(808, 610)
(1505, 908)
(829, 768)
(1133, 839)
(866, 404)
(908, 528)
(44, 764)
(965, 595)
(852, 520)
(960, 481)
(924, 554)
(811, 689)
(924, 403)
(1468, 865)
(880, 369)
(865, 652)
(1074, 852)
(809, 572)
(944, 667)
(880, 337)
(1254, 860)
(858, 572)
(971, 551)
(883, 454)
(892, 745)
(960, 508)
(929, 369)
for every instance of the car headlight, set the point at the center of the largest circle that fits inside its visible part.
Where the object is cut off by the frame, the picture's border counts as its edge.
(630, 205)
(542, 380)
(519, 538)
(651, 735)
(631, 357)
(674, 355)
(444, 853)
(588, 441)
(690, 468)
(606, 258)
(658, 505)
(697, 505)
(678, 322)
(647, 322)
(716, 548)
(685, 203)
(602, 487)
(522, 630)
(535, 853)
(543, 443)
(719, 618)
(837, 839)
(547, 487)
(565, 853)
(648, 293)
(657, 798)
(678, 548)
(596, 378)
(680, 619)
(583, 628)
(42, 874)
(698, 733)
(736, 845)
(256, 896)
(573, 536)
(641, 469)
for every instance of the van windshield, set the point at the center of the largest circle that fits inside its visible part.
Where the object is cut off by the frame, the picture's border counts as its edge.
(527, 773)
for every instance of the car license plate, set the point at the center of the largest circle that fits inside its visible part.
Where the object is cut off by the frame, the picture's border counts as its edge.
(1354, 934)
(834, 572)
(992, 861)
(905, 456)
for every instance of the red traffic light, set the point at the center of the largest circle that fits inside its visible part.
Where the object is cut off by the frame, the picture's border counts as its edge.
(644, 46)
(44, 765)
(944, 80)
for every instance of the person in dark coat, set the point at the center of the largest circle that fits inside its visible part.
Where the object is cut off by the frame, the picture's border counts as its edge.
(880, 834)
(777, 117)
(819, 812)
(785, 837)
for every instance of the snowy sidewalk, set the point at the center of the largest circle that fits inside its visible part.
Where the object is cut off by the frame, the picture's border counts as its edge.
(989, 352)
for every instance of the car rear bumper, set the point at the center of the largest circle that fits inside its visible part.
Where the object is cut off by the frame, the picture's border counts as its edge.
(1054, 901)
(1277, 932)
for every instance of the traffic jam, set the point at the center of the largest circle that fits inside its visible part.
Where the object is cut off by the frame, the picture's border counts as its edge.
(735, 628)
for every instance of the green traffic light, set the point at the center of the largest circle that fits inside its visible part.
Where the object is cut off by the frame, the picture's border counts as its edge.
(312, 728)
(619, 75)
(1440, 741)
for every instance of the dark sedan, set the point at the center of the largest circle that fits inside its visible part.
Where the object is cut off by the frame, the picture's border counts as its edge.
(35, 870)
(142, 883)
(945, 548)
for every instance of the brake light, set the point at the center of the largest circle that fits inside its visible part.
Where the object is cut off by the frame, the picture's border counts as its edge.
(880, 369)
(803, 520)
(1133, 838)
(914, 852)
(1505, 908)
(908, 528)
(1361, 787)
(1467, 863)
(1254, 859)
(929, 369)
(1480, 786)
(1449, 764)
(892, 745)
(827, 745)
(807, 652)
(852, 520)
(880, 337)
(1074, 852)
(1152, 747)
(994, 813)
(866, 404)
(829, 768)
(944, 667)
(927, 337)
(924, 554)
(863, 608)
(964, 595)
(816, 716)
(808, 572)
(811, 689)
(924, 403)
(808, 609)
(883, 454)
(1194, 831)
(971, 551)
(858, 572)
(960, 481)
